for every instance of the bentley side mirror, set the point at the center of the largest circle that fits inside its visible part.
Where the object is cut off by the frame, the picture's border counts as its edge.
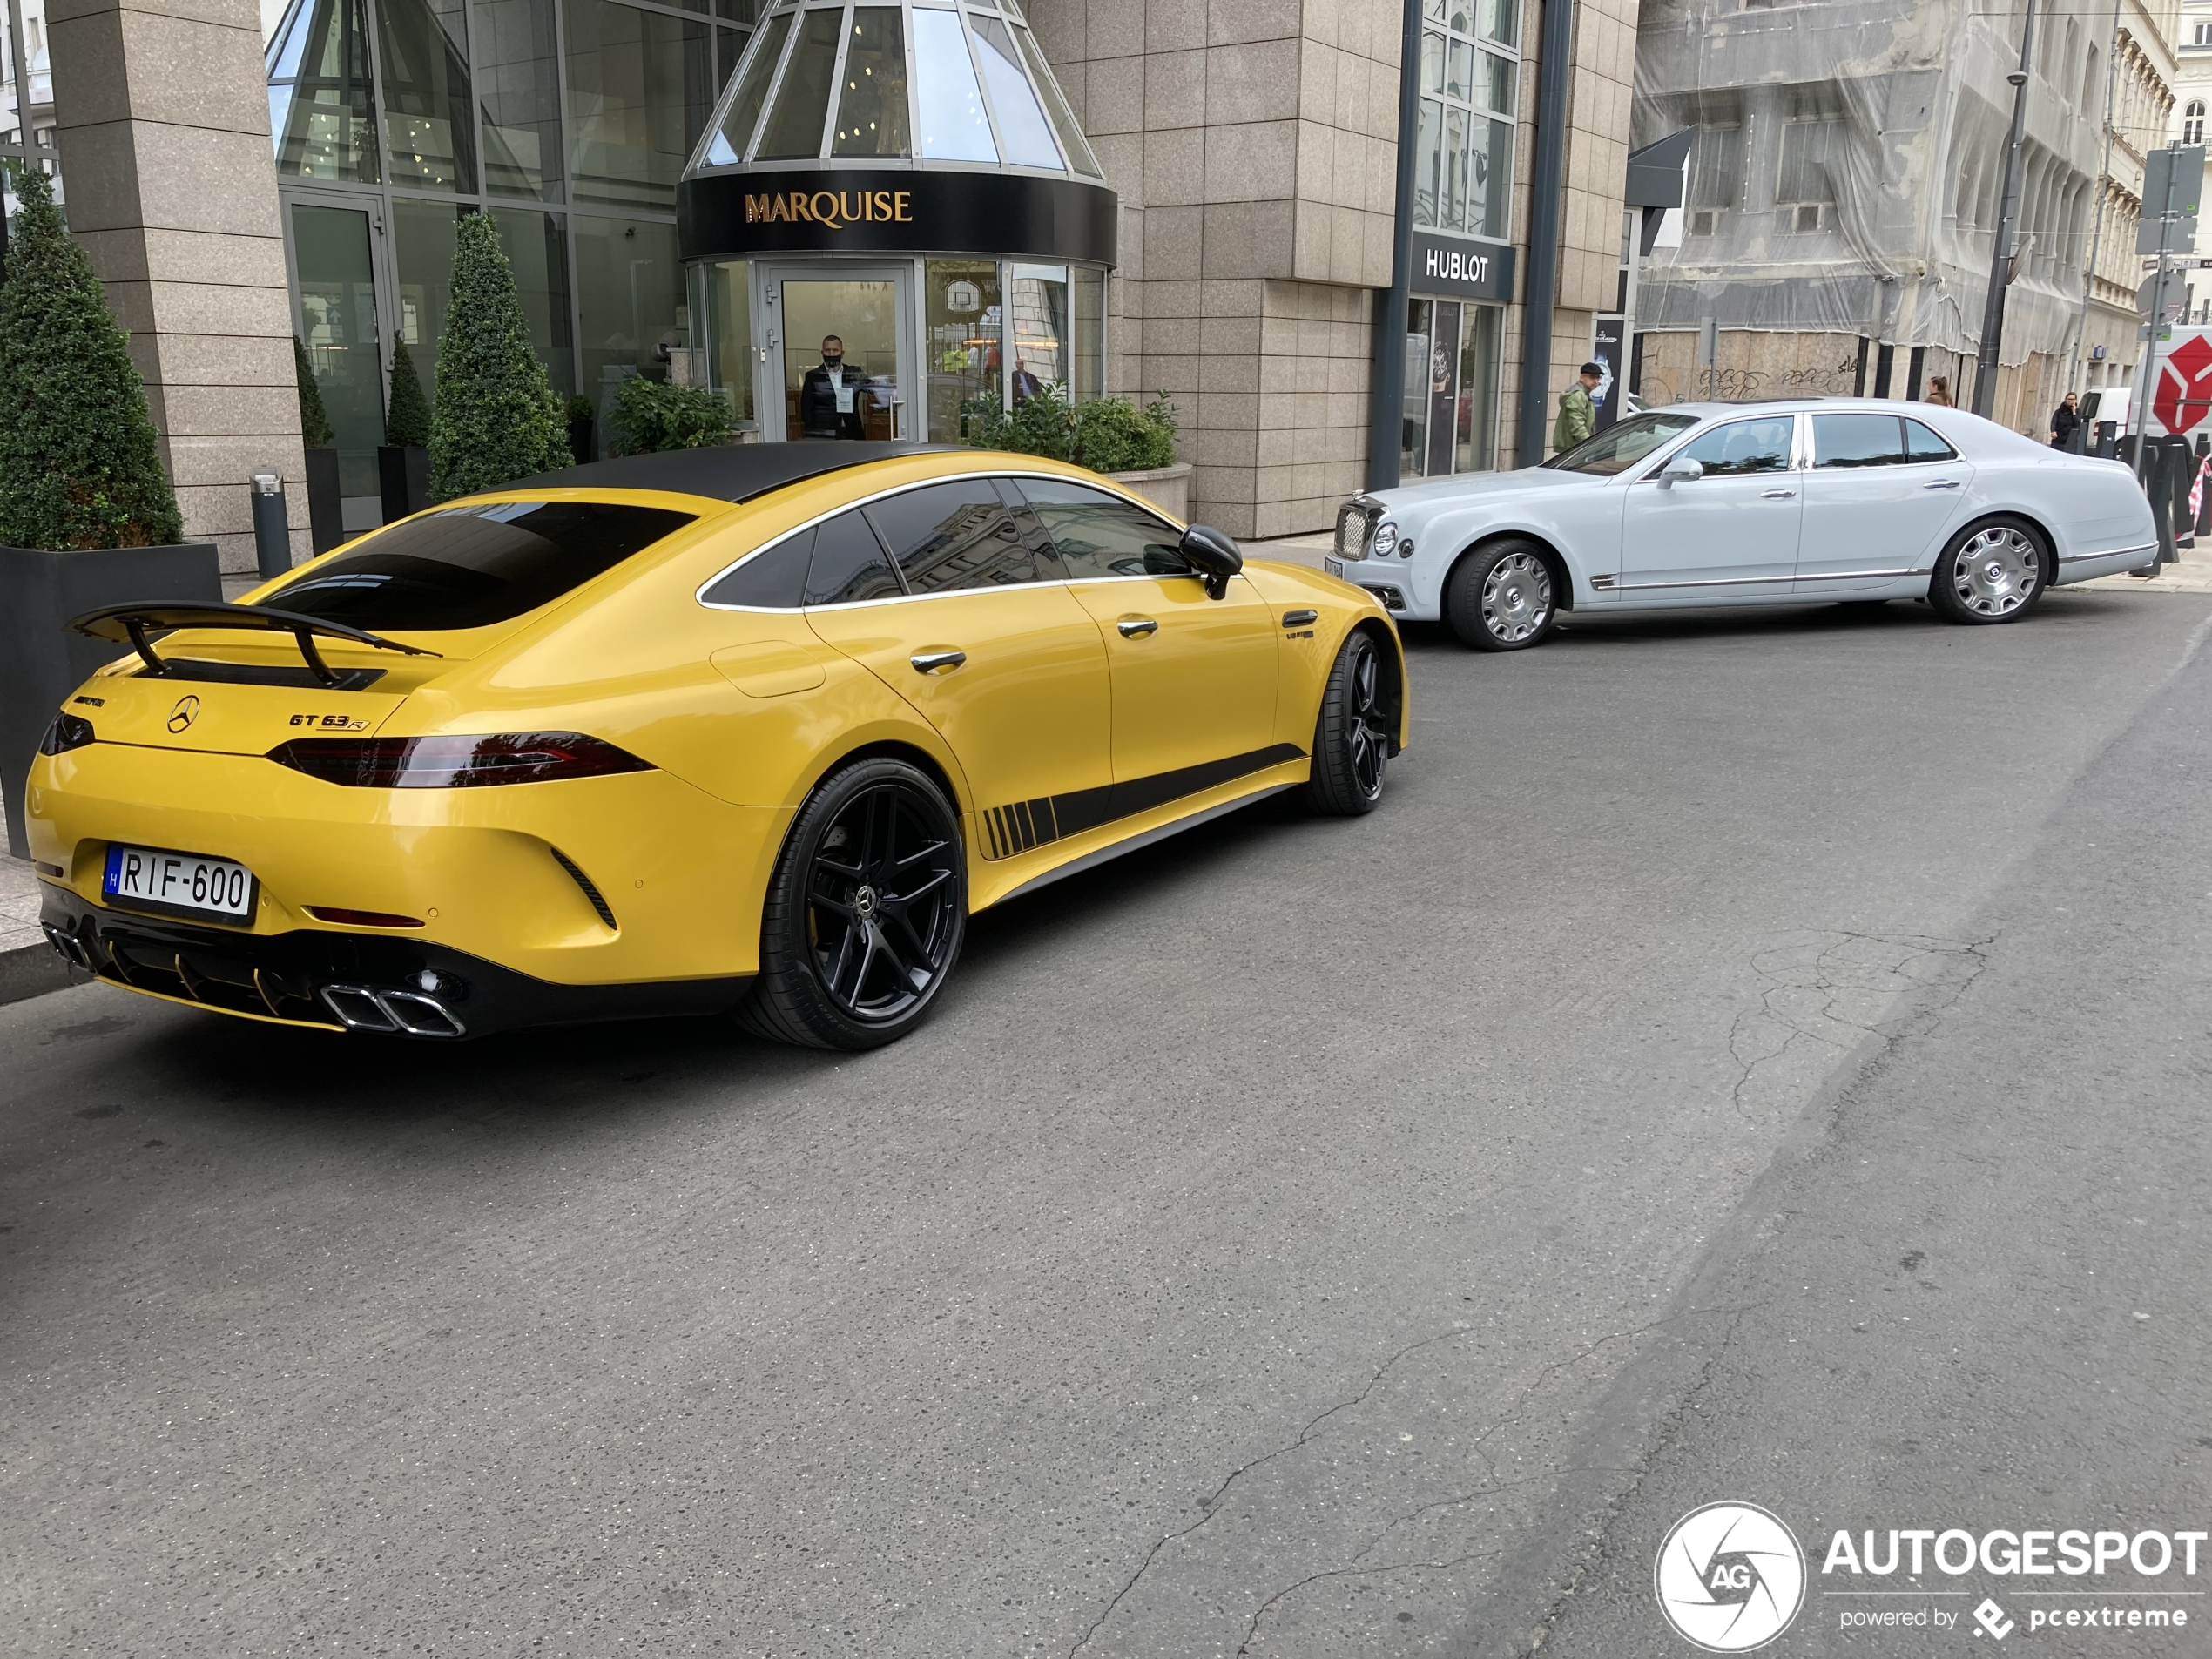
(1214, 556)
(1679, 468)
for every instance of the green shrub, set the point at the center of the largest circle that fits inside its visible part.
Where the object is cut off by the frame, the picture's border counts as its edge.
(1112, 435)
(1105, 434)
(495, 418)
(1040, 425)
(80, 463)
(407, 420)
(314, 420)
(579, 408)
(650, 416)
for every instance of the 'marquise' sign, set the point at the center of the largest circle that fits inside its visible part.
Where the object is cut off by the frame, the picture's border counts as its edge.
(1466, 270)
(732, 215)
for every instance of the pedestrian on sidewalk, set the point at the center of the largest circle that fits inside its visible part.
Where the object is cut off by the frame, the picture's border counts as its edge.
(2064, 420)
(1938, 393)
(1577, 414)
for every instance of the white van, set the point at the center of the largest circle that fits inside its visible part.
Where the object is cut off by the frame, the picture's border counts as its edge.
(2106, 403)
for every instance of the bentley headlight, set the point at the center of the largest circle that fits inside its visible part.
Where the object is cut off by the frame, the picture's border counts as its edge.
(1385, 539)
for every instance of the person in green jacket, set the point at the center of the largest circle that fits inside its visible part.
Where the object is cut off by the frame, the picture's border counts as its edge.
(1577, 414)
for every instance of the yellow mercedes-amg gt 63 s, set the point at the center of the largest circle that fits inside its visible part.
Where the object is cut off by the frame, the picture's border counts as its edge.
(750, 729)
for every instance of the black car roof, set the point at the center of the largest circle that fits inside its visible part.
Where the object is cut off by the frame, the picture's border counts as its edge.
(725, 472)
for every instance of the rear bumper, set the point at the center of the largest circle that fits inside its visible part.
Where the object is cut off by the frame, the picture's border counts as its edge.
(378, 983)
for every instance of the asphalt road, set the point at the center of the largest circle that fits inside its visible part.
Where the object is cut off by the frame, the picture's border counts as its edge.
(1756, 1058)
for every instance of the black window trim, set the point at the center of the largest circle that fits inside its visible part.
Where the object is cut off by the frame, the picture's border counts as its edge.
(1104, 486)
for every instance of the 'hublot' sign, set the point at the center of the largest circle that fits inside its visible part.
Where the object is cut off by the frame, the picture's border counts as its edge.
(880, 210)
(1465, 270)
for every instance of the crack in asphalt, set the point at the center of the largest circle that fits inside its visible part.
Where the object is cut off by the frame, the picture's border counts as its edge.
(1206, 1504)
(1209, 1506)
(1669, 1426)
(1822, 974)
(1832, 980)
(1488, 1487)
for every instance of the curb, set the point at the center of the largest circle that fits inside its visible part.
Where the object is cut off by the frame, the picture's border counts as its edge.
(33, 970)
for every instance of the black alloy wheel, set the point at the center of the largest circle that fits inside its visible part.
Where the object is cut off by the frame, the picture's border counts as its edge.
(1353, 734)
(1500, 597)
(865, 914)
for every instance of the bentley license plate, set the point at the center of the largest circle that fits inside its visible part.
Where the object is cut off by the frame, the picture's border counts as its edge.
(182, 883)
(1334, 567)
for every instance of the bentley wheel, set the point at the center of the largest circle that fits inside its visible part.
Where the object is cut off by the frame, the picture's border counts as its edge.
(1500, 597)
(1993, 571)
(866, 912)
(1354, 734)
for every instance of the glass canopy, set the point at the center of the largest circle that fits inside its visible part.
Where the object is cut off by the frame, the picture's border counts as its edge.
(957, 82)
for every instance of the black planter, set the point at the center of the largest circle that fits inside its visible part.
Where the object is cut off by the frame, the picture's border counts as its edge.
(403, 474)
(41, 662)
(580, 439)
(325, 506)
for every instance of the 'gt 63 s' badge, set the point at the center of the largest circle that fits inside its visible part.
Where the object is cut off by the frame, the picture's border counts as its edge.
(1730, 1577)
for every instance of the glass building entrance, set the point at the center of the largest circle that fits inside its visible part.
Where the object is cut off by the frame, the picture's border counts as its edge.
(1450, 415)
(907, 176)
(568, 121)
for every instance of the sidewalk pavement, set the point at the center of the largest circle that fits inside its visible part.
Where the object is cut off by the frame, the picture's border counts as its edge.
(2193, 574)
(28, 964)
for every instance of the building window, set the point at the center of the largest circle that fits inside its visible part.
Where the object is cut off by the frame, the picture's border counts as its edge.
(377, 105)
(1470, 74)
(2192, 121)
(2204, 36)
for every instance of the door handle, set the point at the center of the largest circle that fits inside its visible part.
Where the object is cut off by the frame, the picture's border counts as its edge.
(1136, 627)
(929, 662)
(1942, 483)
(1777, 494)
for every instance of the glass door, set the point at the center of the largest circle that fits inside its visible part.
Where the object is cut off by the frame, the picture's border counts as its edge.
(865, 310)
(336, 245)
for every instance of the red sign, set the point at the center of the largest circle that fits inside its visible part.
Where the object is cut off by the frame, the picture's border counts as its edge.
(2185, 385)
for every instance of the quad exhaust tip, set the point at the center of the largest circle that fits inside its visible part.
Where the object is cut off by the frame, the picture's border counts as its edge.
(405, 1014)
(70, 946)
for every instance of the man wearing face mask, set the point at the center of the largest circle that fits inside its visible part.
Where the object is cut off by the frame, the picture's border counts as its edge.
(829, 396)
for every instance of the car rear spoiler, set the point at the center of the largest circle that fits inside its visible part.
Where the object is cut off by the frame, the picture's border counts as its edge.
(131, 624)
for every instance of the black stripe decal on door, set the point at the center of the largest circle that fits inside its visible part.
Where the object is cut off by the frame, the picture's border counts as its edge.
(1027, 824)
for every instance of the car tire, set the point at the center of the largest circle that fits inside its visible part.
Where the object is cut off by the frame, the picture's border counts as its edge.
(1993, 570)
(1352, 736)
(1500, 597)
(866, 912)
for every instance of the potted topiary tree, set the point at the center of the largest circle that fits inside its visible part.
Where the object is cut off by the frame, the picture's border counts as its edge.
(496, 417)
(403, 459)
(326, 503)
(87, 517)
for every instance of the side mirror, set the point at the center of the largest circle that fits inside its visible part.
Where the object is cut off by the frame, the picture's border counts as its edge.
(1679, 468)
(1213, 556)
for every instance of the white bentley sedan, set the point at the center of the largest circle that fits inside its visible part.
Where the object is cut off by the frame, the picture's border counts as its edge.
(1785, 502)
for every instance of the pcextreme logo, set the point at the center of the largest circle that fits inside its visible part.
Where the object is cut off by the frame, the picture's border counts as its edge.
(1730, 1577)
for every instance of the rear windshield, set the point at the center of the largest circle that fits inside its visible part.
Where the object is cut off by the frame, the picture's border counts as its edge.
(472, 566)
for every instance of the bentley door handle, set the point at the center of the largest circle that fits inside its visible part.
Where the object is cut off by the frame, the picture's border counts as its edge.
(1136, 627)
(929, 662)
(1942, 483)
(1777, 494)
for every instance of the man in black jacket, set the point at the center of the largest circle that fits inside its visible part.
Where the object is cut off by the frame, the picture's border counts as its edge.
(829, 396)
